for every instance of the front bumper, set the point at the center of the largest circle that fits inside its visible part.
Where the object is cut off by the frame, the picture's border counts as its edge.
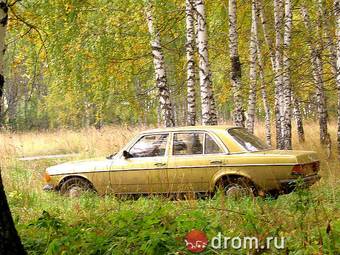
(290, 185)
(48, 187)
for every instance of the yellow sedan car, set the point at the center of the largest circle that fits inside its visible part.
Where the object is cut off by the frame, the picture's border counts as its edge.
(196, 159)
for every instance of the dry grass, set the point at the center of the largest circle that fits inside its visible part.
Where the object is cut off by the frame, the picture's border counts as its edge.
(92, 142)
(86, 141)
(110, 139)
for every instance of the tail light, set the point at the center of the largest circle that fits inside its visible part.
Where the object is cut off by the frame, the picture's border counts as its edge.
(298, 170)
(306, 169)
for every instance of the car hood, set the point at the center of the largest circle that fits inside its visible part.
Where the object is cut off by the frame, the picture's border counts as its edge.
(96, 164)
(301, 157)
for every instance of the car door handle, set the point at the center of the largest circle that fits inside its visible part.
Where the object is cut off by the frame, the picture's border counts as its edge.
(160, 164)
(216, 162)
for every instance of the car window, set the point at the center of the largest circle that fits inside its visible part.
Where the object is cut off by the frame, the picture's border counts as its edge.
(188, 144)
(211, 147)
(150, 146)
(247, 140)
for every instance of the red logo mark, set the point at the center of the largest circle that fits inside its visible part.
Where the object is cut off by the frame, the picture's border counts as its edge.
(196, 241)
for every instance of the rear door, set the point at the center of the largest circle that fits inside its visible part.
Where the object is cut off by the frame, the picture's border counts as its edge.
(195, 157)
(145, 171)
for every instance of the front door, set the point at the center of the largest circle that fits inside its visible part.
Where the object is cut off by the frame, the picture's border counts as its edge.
(146, 170)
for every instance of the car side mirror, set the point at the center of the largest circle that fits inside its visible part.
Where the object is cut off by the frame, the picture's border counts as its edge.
(127, 155)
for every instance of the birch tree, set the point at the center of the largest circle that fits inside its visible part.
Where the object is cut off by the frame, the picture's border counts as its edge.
(287, 126)
(267, 38)
(317, 71)
(298, 119)
(266, 106)
(269, 45)
(238, 113)
(252, 69)
(278, 73)
(276, 60)
(337, 16)
(160, 73)
(190, 49)
(209, 114)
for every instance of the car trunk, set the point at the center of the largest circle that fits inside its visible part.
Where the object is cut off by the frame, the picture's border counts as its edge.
(307, 162)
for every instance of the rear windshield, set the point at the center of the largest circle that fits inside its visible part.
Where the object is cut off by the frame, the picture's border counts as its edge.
(247, 140)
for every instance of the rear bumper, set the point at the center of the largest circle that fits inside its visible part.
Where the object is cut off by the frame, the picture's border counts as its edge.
(290, 185)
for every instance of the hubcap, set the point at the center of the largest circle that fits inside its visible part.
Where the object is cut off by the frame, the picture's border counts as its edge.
(236, 191)
(75, 191)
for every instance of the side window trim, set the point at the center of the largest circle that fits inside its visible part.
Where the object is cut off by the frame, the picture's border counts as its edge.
(216, 139)
(150, 134)
(186, 132)
(223, 148)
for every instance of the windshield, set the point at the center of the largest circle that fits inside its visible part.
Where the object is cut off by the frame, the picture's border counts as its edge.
(247, 140)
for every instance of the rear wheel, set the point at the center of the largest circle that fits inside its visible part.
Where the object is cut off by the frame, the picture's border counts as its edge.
(237, 187)
(75, 186)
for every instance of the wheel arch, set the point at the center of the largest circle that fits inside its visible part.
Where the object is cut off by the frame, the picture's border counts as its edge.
(68, 177)
(229, 175)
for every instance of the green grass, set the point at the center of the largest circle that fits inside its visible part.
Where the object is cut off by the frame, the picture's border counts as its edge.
(52, 224)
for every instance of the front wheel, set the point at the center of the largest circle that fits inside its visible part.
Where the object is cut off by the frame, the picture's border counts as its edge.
(74, 187)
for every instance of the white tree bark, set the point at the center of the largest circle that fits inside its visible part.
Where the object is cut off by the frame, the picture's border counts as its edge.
(3, 27)
(238, 113)
(298, 119)
(278, 73)
(287, 94)
(190, 49)
(209, 114)
(252, 69)
(269, 45)
(161, 79)
(337, 16)
(318, 80)
(267, 39)
(266, 106)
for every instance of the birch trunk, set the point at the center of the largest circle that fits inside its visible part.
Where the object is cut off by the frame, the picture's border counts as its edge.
(252, 69)
(278, 74)
(190, 49)
(287, 94)
(332, 50)
(209, 114)
(266, 106)
(337, 16)
(267, 39)
(160, 73)
(318, 79)
(298, 119)
(238, 114)
(269, 45)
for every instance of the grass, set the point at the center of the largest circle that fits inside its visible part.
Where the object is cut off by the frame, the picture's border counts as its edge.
(51, 224)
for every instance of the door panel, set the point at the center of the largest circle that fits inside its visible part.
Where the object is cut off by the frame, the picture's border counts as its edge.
(141, 175)
(146, 170)
(192, 172)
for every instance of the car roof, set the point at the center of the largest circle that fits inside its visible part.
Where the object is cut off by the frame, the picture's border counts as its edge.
(190, 128)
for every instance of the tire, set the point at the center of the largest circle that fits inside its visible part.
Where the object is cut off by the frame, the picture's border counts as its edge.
(237, 187)
(75, 186)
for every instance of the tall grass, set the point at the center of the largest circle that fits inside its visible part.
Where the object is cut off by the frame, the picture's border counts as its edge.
(52, 224)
